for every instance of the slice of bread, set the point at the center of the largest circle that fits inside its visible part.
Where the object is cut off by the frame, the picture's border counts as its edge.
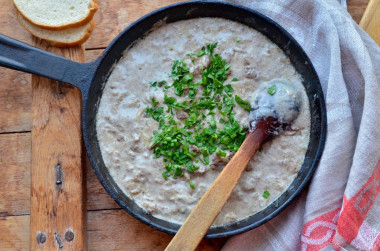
(60, 38)
(57, 14)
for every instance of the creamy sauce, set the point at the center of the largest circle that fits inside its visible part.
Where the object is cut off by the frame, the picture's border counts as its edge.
(277, 99)
(124, 132)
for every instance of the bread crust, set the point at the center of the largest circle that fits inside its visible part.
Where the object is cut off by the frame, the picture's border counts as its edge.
(88, 18)
(78, 42)
(61, 44)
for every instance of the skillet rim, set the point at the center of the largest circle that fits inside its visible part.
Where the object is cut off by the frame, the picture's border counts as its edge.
(152, 221)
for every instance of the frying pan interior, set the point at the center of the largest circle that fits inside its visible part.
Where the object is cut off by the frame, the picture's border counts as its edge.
(208, 9)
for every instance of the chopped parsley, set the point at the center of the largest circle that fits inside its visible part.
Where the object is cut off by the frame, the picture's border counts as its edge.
(266, 194)
(191, 183)
(154, 102)
(153, 84)
(272, 90)
(188, 133)
(156, 113)
(244, 104)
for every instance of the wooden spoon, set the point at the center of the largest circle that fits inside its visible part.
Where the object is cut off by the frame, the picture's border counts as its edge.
(261, 129)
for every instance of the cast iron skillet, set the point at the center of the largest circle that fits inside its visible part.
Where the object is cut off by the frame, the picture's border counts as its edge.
(90, 78)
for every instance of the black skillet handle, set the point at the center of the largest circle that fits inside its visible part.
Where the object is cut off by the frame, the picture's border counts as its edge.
(23, 57)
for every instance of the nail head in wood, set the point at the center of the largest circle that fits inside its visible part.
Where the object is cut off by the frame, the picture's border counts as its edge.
(58, 239)
(41, 238)
(59, 174)
(69, 235)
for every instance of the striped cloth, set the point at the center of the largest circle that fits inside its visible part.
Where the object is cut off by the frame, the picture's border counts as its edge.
(341, 208)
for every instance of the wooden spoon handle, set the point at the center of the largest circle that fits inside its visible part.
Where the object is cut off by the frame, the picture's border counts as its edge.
(212, 202)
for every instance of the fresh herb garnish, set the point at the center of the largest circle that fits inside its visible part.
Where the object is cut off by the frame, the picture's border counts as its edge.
(153, 84)
(272, 90)
(161, 83)
(191, 183)
(156, 113)
(188, 133)
(154, 102)
(244, 104)
(266, 194)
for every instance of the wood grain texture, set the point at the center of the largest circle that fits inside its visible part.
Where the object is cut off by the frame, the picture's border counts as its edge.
(14, 174)
(370, 21)
(114, 16)
(131, 235)
(97, 197)
(57, 144)
(15, 159)
(15, 101)
(107, 230)
(356, 8)
(14, 233)
(9, 25)
(91, 55)
(117, 230)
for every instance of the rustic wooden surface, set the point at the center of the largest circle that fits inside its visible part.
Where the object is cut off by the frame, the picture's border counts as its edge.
(108, 227)
(371, 20)
(57, 155)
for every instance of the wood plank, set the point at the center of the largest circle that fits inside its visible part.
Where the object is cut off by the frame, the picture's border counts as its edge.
(15, 157)
(91, 55)
(97, 197)
(15, 101)
(15, 87)
(370, 21)
(107, 230)
(9, 25)
(113, 16)
(14, 233)
(117, 230)
(14, 174)
(356, 8)
(58, 203)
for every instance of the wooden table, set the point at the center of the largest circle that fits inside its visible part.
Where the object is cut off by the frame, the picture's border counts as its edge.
(108, 226)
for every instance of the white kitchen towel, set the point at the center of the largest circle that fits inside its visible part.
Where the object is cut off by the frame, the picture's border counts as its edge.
(341, 208)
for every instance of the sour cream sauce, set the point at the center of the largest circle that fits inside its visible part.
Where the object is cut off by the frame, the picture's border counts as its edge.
(124, 132)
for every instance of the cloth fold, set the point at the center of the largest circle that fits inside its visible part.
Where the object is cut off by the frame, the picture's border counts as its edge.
(341, 207)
